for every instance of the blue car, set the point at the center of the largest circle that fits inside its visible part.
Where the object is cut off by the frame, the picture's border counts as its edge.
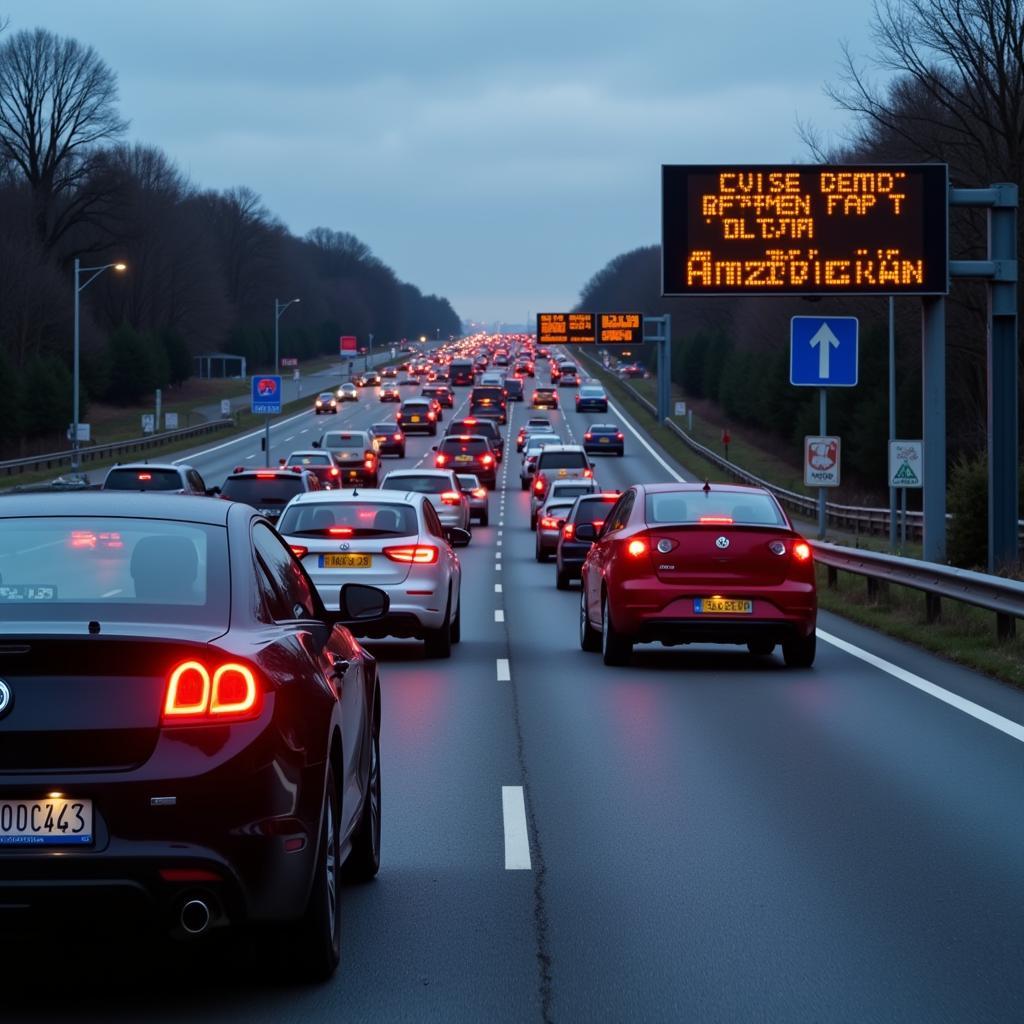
(604, 437)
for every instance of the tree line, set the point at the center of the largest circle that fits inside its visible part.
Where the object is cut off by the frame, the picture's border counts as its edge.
(204, 266)
(952, 92)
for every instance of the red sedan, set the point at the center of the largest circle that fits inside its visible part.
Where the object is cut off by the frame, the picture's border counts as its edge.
(691, 563)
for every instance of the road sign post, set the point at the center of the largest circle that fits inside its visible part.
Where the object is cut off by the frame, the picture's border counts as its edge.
(822, 464)
(906, 461)
(266, 401)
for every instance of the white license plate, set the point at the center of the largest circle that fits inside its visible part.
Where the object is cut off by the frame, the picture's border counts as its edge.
(57, 821)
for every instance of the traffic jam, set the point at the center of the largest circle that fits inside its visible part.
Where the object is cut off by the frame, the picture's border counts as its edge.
(307, 714)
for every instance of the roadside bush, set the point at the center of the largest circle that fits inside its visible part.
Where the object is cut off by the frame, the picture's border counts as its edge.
(967, 501)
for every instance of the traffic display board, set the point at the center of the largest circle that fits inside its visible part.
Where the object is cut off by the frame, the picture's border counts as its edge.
(804, 230)
(566, 329)
(266, 395)
(590, 328)
(823, 351)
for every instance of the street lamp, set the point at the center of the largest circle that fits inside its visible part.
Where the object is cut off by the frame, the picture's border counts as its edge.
(79, 288)
(279, 308)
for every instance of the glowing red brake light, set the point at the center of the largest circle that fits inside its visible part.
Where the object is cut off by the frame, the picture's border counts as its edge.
(440, 460)
(299, 550)
(479, 492)
(801, 551)
(470, 422)
(487, 460)
(369, 463)
(619, 436)
(548, 523)
(234, 690)
(636, 548)
(264, 476)
(335, 471)
(431, 415)
(418, 554)
(538, 486)
(451, 498)
(588, 473)
(397, 437)
(716, 520)
(340, 531)
(195, 697)
(568, 530)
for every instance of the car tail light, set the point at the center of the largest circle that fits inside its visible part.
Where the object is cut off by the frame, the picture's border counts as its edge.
(479, 492)
(487, 460)
(620, 436)
(431, 415)
(368, 463)
(568, 530)
(264, 476)
(397, 437)
(440, 460)
(398, 415)
(194, 696)
(802, 551)
(598, 523)
(636, 548)
(538, 485)
(335, 471)
(451, 498)
(716, 520)
(299, 550)
(418, 554)
(588, 473)
(548, 523)
(588, 436)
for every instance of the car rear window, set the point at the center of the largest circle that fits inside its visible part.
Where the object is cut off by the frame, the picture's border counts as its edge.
(385, 429)
(544, 392)
(594, 509)
(485, 427)
(263, 492)
(469, 446)
(87, 568)
(349, 519)
(310, 460)
(713, 508)
(337, 439)
(415, 406)
(591, 392)
(143, 479)
(420, 484)
(571, 490)
(563, 460)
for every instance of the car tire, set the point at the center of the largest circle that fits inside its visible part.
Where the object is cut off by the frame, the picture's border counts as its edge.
(364, 859)
(485, 518)
(799, 653)
(457, 623)
(524, 485)
(437, 643)
(433, 430)
(760, 648)
(314, 943)
(539, 554)
(616, 649)
(561, 579)
(590, 638)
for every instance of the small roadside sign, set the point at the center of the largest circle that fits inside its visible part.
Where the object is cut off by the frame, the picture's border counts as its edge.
(84, 431)
(148, 422)
(823, 351)
(906, 461)
(170, 421)
(266, 395)
(821, 461)
(225, 407)
(289, 361)
(347, 343)
(680, 409)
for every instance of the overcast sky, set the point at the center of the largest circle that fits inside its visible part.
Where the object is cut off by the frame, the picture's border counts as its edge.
(498, 152)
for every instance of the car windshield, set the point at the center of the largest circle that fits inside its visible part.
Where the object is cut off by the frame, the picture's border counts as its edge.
(420, 483)
(143, 478)
(123, 570)
(714, 507)
(319, 459)
(564, 460)
(349, 519)
(325, 396)
(263, 492)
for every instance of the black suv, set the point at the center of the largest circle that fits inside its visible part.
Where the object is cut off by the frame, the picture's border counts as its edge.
(483, 428)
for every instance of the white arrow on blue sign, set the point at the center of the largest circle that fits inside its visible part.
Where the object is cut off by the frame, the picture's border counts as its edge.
(823, 351)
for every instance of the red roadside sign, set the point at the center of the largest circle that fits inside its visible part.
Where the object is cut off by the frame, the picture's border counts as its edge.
(348, 343)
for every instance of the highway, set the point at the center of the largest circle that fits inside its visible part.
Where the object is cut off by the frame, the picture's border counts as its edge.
(697, 837)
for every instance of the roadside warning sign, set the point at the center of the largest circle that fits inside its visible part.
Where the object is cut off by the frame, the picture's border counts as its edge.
(821, 461)
(905, 460)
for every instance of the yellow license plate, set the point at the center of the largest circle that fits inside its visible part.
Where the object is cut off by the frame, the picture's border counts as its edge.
(602, 440)
(345, 561)
(463, 458)
(722, 606)
(563, 472)
(414, 419)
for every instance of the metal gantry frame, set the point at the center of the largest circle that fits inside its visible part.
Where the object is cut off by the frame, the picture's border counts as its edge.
(662, 336)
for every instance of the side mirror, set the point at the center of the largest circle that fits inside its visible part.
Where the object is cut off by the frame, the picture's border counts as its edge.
(531, 468)
(360, 603)
(433, 447)
(212, 492)
(316, 444)
(457, 537)
(586, 531)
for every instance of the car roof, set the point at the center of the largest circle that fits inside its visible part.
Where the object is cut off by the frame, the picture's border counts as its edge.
(464, 437)
(151, 465)
(602, 426)
(122, 504)
(691, 488)
(397, 474)
(309, 451)
(563, 448)
(359, 494)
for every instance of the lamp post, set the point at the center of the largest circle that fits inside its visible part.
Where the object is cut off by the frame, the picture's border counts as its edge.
(79, 288)
(279, 308)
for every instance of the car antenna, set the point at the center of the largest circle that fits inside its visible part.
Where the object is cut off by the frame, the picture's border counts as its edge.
(355, 492)
(707, 487)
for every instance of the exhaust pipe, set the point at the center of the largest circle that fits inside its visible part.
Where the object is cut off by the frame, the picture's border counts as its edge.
(195, 916)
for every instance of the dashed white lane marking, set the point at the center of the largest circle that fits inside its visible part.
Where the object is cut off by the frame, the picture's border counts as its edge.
(498, 542)
(499, 615)
(1012, 729)
(290, 437)
(250, 457)
(517, 838)
(504, 675)
(497, 588)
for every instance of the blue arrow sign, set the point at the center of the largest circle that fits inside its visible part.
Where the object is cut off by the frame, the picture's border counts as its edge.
(266, 395)
(823, 351)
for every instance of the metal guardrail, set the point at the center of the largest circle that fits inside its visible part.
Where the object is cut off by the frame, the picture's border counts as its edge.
(94, 453)
(859, 519)
(1004, 597)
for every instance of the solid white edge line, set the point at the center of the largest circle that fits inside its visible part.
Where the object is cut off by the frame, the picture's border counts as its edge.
(1004, 725)
(517, 837)
(504, 675)
(237, 440)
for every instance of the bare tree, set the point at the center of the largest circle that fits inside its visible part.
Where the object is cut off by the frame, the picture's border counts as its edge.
(57, 106)
(959, 91)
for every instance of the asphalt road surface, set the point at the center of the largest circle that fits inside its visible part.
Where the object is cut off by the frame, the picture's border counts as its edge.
(697, 837)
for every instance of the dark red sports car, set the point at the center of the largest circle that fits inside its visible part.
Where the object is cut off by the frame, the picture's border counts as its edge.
(686, 563)
(187, 735)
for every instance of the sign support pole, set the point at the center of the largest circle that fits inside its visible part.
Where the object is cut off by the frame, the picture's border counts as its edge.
(823, 430)
(663, 339)
(266, 440)
(933, 418)
(892, 415)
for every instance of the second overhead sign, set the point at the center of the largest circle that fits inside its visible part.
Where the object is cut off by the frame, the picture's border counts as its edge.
(590, 328)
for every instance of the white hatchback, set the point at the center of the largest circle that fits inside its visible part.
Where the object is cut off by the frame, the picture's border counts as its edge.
(390, 540)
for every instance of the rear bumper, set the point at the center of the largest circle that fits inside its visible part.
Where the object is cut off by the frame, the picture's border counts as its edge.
(612, 448)
(592, 406)
(571, 557)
